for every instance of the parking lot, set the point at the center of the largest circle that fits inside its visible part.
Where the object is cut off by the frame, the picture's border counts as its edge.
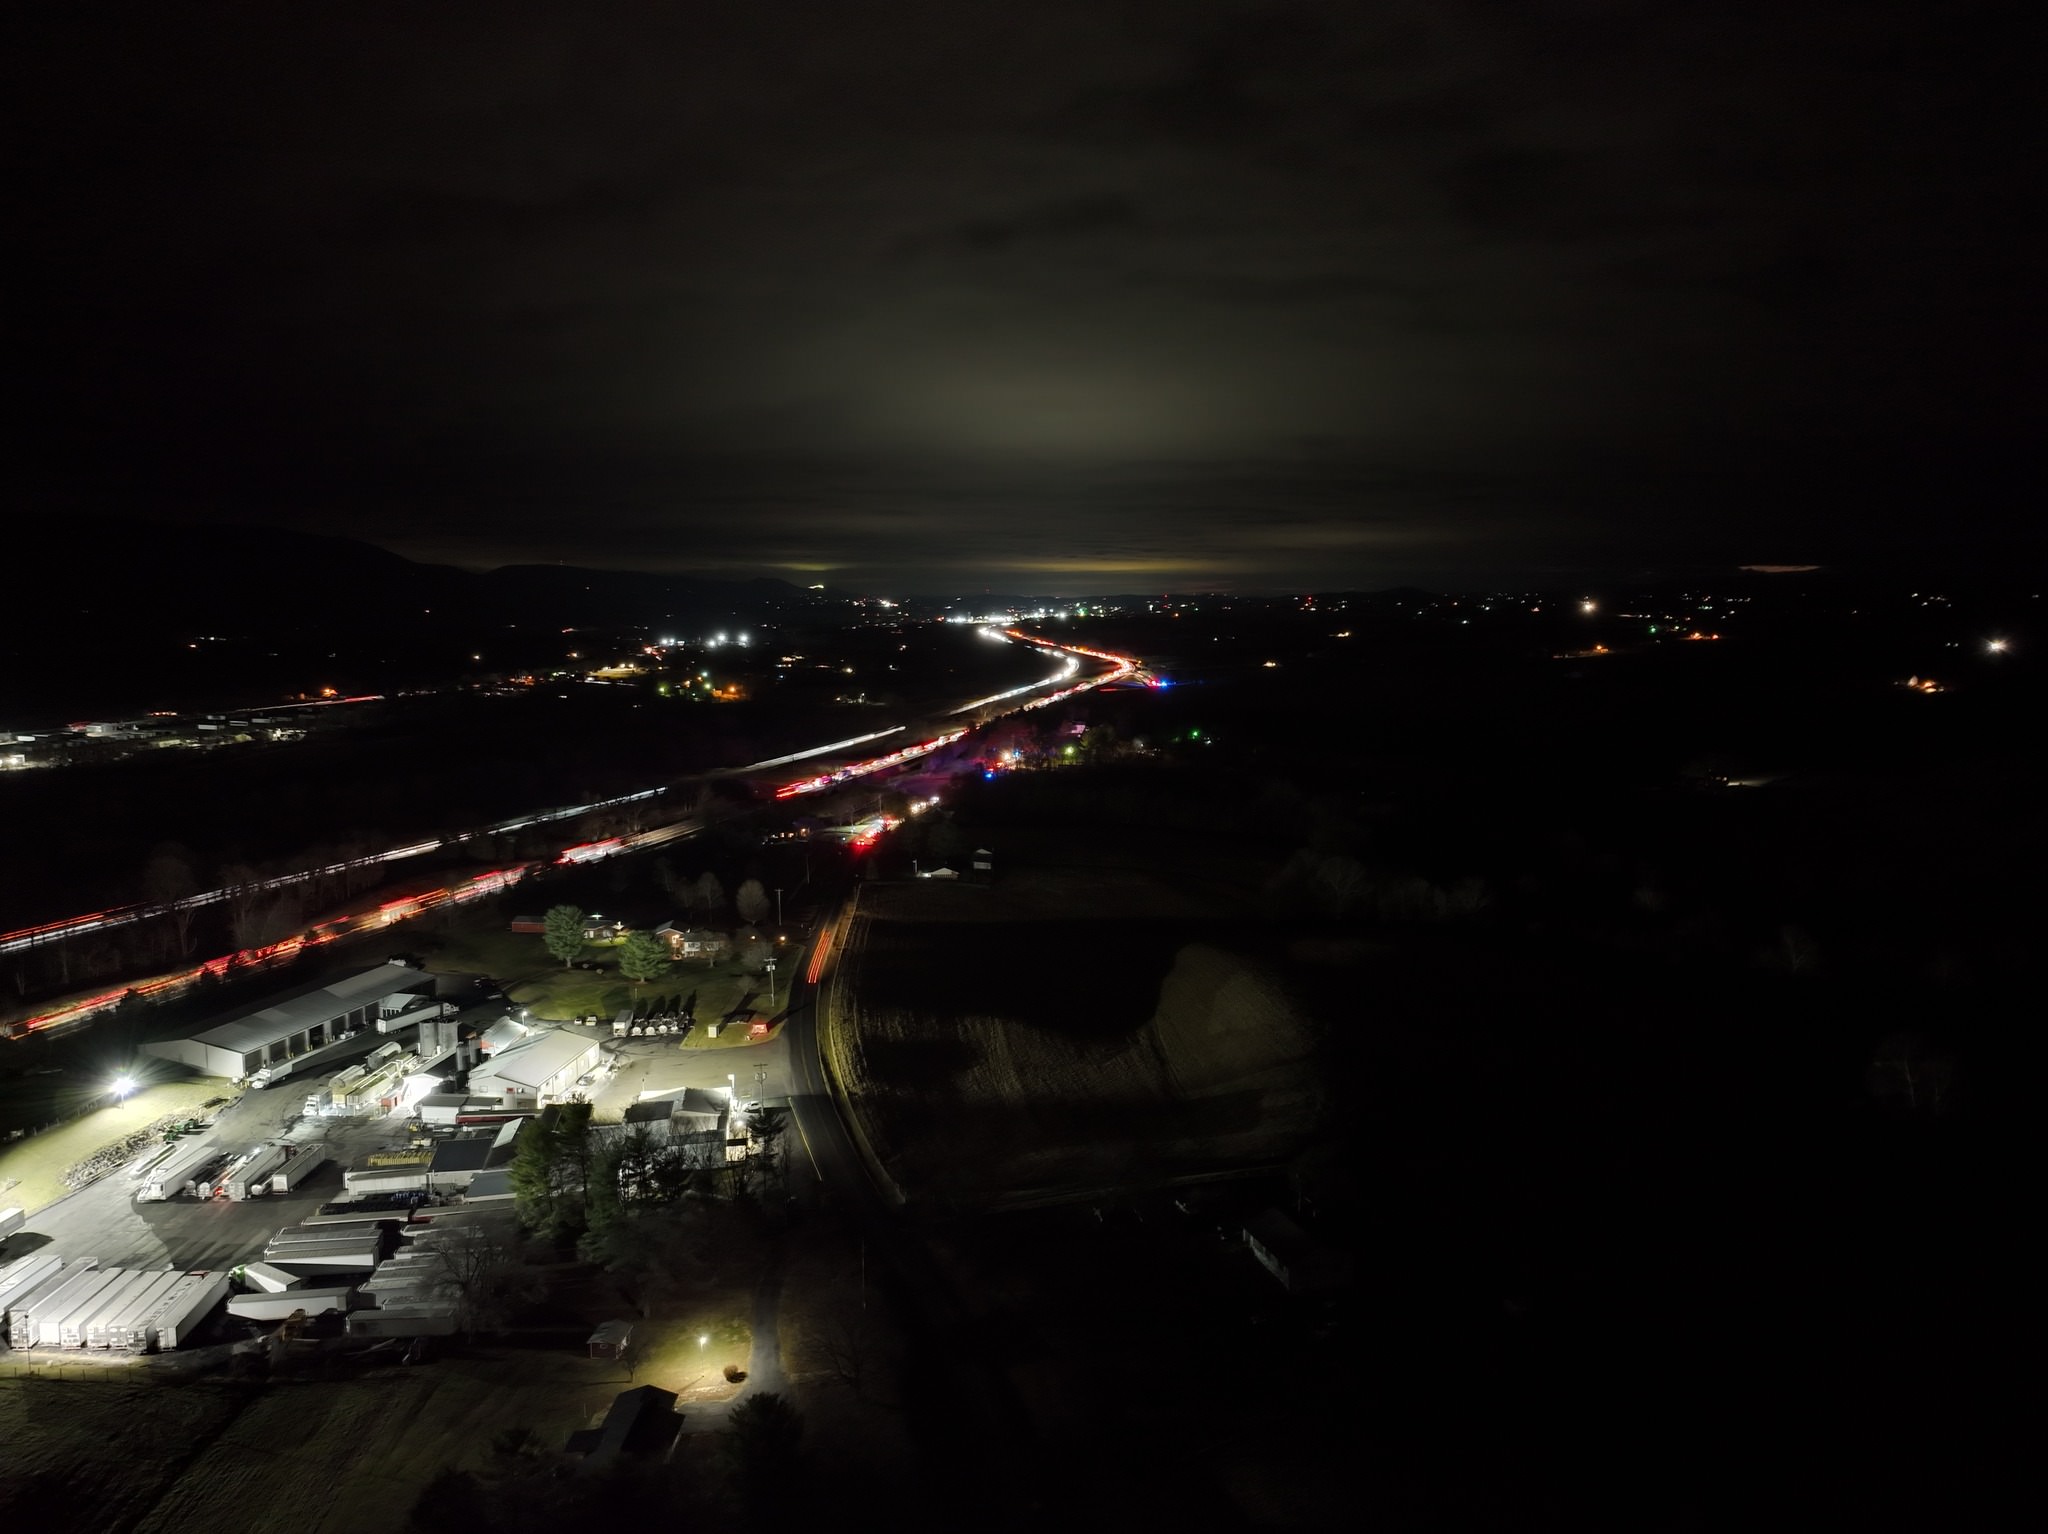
(104, 1221)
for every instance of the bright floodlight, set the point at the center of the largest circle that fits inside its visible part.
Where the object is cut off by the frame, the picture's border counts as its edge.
(1588, 605)
(122, 1086)
(1997, 646)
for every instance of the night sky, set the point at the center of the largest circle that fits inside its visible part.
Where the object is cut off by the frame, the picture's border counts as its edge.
(1060, 296)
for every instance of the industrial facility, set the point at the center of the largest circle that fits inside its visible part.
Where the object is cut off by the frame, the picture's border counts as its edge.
(545, 1068)
(321, 1023)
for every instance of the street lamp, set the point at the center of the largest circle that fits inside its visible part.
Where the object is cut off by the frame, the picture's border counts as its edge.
(121, 1086)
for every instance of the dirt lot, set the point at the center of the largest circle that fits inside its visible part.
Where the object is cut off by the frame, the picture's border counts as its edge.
(1082, 1023)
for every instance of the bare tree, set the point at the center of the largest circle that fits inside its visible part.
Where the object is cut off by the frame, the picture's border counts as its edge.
(858, 1354)
(752, 901)
(170, 877)
(484, 1268)
(710, 893)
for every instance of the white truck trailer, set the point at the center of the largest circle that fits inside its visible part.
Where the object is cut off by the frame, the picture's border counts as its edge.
(251, 1177)
(112, 1331)
(11, 1220)
(21, 1278)
(52, 1304)
(269, 1280)
(61, 1327)
(327, 1254)
(176, 1172)
(411, 1321)
(130, 1330)
(386, 1179)
(186, 1311)
(75, 1330)
(298, 1170)
(335, 1230)
(279, 1307)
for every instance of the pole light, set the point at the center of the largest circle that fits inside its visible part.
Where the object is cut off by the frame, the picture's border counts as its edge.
(771, 982)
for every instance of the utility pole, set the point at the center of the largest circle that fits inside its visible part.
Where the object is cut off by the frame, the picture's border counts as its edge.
(771, 983)
(778, 908)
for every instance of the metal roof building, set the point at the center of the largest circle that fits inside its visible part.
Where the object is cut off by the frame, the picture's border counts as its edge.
(543, 1068)
(322, 1016)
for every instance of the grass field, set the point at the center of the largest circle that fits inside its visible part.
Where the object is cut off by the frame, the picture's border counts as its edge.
(538, 983)
(1084, 1022)
(32, 1170)
(337, 1454)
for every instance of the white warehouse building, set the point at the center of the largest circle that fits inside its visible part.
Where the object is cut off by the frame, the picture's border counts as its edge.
(333, 1017)
(542, 1069)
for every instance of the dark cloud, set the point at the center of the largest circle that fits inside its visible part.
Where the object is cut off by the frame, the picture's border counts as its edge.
(1254, 292)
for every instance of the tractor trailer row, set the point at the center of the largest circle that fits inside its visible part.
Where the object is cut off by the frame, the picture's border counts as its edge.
(47, 1304)
(276, 1166)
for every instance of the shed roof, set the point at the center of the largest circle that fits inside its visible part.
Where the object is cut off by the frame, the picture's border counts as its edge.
(464, 1155)
(316, 1002)
(537, 1061)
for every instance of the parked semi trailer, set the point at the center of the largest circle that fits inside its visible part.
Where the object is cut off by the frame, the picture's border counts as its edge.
(413, 1321)
(280, 1307)
(386, 1180)
(267, 1279)
(55, 1301)
(128, 1331)
(289, 1247)
(250, 1178)
(114, 1328)
(58, 1328)
(174, 1173)
(379, 1206)
(186, 1312)
(73, 1330)
(352, 1230)
(98, 1329)
(298, 1170)
(334, 1254)
(11, 1220)
(24, 1277)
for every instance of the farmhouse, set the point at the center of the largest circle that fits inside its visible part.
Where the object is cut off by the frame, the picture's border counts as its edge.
(693, 942)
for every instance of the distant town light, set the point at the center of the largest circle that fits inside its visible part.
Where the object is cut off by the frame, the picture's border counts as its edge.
(1998, 646)
(1589, 605)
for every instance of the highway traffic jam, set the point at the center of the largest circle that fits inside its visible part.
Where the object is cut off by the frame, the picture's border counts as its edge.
(476, 886)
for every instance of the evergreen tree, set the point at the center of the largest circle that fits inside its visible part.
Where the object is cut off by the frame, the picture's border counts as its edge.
(643, 957)
(562, 931)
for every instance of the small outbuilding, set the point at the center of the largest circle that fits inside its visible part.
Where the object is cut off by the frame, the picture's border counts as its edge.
(641, 1424)
(1301, 1263)
(611, 1339)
